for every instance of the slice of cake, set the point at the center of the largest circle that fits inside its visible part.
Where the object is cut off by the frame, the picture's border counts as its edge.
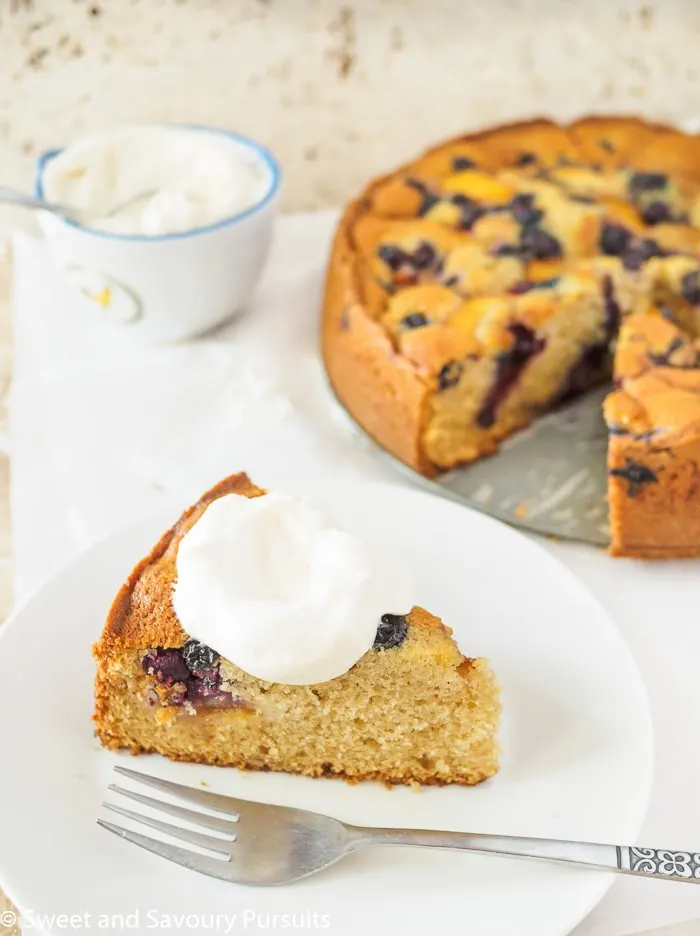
(411, 709)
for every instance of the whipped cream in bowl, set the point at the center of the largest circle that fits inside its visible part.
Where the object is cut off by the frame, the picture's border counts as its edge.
(275, 587)
(175, 225)
(152, 181)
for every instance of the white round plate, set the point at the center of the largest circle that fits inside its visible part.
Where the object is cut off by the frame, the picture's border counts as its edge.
(577, 761)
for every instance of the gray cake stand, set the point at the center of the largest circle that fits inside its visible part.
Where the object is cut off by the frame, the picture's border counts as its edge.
(550, 479)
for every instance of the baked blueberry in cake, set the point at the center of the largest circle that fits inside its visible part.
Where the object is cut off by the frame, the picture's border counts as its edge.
(496, 275)
(386, 696)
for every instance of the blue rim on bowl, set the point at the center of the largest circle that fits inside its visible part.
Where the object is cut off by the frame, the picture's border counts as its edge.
(263, 152)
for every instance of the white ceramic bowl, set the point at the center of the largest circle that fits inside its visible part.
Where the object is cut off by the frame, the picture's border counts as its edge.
(172, 286)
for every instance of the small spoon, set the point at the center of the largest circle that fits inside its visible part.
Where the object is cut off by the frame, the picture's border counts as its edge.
(14, 197)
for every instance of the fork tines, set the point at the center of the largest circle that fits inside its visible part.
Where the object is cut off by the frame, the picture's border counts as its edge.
(220, 845)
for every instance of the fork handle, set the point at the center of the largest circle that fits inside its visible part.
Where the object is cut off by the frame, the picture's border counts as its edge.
(624, 859)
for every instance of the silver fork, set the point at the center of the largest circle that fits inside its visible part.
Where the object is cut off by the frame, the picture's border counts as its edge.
(262, 844)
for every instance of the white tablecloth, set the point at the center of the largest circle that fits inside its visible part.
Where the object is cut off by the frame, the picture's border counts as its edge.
(102, 433)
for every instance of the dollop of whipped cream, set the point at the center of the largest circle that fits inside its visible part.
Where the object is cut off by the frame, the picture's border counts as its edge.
(276, 588)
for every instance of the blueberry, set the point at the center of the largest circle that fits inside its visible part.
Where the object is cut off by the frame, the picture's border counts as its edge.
(198, 656)
(526, 343)
(547, 284)
(537, 244)
(509, 366)
(526, 159)
(594, 360)
(486, 416)
(450, 375)
(690, 287)
(614, 239)
(414, 320)
(530, 217)
(656, 213)
(167, 665)
(647, 182)
(633, 259)
(521, 201)
(469, 211)
(428, 199)
(391, 632)
(522, 286)
(635, 256)
(664, 359)
(205, 682)
(524, 211)
(462, 162)
(394, 257)
(424, 256)
(612, 309)
(636, 475)
(507, 250)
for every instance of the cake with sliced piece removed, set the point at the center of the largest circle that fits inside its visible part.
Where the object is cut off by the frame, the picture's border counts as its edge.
(412, 709)
(476, 287)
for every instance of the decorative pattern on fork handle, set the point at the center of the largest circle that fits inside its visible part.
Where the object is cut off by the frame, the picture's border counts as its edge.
(659, 861)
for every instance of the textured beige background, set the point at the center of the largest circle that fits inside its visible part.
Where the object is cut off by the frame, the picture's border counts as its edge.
(339, 90)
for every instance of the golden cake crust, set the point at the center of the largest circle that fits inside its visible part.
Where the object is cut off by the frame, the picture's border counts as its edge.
(154, 574)
(384, 393)
(387, 381)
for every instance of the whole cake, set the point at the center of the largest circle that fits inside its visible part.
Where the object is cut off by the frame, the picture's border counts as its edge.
(507, 271)
(412, 709)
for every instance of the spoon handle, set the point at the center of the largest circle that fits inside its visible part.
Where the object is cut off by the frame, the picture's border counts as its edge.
(13, 197)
